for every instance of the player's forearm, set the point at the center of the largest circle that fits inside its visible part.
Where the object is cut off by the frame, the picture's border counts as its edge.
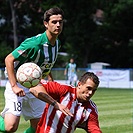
(41, 94)
(47, 98)
(65, 72)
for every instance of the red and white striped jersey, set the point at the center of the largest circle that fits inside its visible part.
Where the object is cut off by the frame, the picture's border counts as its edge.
(54, 121)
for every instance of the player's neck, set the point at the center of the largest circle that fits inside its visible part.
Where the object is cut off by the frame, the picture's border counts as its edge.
(51, 37)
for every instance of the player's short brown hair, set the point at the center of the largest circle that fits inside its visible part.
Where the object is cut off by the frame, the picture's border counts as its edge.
(53, 11)
(89, 75)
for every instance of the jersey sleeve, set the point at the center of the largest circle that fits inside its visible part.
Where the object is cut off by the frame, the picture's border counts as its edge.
(27, 48)
(92, 122)
(55, 89)
(67, 66)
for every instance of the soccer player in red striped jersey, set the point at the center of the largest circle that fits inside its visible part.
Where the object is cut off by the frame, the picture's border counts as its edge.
(68, 107)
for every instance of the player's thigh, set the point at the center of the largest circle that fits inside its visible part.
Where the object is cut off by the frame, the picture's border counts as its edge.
(70, 78)
(32, 108)
(11, 121)
(13, 107)
(75, 77)
(13, 103)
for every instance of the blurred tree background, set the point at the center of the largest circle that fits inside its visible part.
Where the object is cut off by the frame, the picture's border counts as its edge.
(94, 31)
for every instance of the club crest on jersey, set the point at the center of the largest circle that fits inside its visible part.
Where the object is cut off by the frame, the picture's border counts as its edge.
(22, 53)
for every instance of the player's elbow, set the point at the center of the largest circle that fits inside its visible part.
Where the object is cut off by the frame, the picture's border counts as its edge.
(34, 92)
(9, 59)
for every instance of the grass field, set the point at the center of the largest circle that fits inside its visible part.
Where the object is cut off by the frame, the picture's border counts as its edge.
(115, 110)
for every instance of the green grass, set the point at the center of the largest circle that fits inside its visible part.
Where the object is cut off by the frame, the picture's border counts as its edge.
(115, 110)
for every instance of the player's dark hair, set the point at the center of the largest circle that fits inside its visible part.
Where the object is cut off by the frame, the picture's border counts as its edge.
(53, 11)
(89, 75)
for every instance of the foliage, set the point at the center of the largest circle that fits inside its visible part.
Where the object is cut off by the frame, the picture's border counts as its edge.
(101, 43)
(84, 37)
(4, 50)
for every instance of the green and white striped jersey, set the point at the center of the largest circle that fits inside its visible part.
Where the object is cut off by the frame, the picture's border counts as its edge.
(71, 69)
(37, 49)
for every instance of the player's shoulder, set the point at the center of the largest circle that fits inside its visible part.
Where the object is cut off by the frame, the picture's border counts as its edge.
(93, 106)
(40, 37)
(90, 104)
(69, 64)
(33, 41)
(51, 83)
(65, 88)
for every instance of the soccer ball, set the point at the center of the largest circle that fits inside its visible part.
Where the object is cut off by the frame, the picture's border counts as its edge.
(29, 74)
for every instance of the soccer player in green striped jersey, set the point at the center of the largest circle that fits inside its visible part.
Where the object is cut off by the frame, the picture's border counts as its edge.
(42, 50)
(71, 72)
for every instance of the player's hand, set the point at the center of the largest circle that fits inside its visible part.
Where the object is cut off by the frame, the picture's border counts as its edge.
(18, 91)
(63, 109)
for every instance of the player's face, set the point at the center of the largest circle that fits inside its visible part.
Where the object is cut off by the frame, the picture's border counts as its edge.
(71, 60)
(54, 25)
(86, 91)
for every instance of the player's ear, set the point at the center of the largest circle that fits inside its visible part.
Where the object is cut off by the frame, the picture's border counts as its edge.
(45, 24)
(79, 84)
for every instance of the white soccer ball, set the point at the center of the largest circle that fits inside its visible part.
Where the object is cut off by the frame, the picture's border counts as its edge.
(29, 74)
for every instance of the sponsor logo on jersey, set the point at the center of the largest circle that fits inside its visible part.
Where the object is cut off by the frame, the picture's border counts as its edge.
(46, 66)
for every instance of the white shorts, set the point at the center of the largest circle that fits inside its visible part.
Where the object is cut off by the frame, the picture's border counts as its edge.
(29, 106)
(72, 78)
